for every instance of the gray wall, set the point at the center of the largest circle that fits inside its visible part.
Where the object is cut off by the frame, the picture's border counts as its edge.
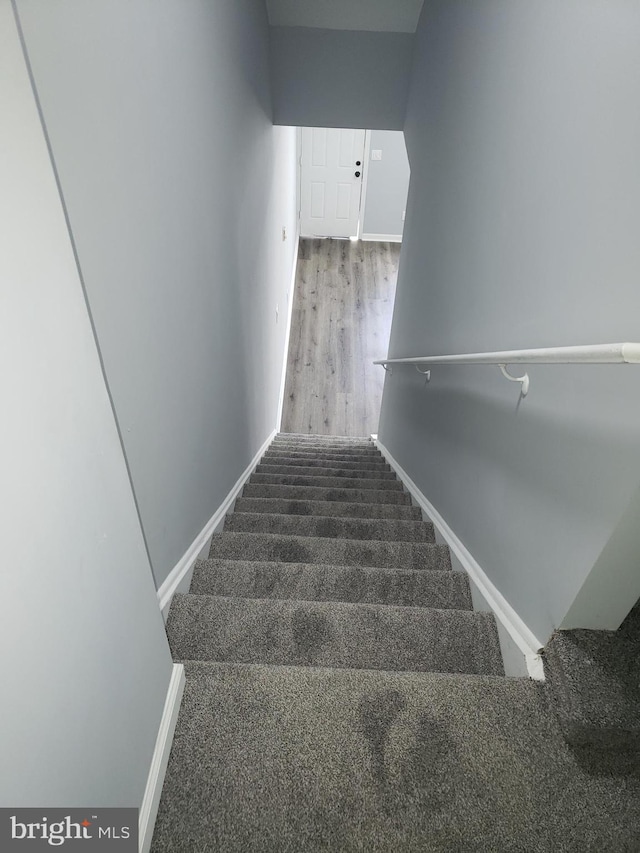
(523, 135)
(387, 184)
(335, 78)
(379, 15)
(177, 187)
(86, 664)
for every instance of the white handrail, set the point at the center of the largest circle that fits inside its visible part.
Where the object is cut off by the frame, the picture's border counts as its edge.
(623, 353)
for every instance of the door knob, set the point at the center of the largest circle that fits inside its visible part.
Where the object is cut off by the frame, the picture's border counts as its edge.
(357, 162)
(357, 174)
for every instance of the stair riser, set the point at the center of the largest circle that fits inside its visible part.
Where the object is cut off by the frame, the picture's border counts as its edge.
(334, 528)
(340, 552)
(321, 453)
(338, 493)
(338, 635)
(355, 451)
(310, 582)
(328, 508)
(326, 482)
(325, 471)
(314, 462)
(305, 438)
(324, 447)
(340, 450)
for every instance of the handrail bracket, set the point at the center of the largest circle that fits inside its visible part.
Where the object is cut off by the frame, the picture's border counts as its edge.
(524, 379)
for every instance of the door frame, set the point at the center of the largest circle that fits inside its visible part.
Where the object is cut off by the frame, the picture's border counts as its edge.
(365, 181)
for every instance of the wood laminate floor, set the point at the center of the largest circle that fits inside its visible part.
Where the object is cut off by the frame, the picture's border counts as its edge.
(343, 304)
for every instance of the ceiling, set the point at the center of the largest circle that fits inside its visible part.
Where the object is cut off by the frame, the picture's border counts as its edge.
(392, 16)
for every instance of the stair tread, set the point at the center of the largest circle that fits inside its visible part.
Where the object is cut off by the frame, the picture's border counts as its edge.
(328, 508)
(377, 529)
(329, 493)
(380, 466)
(359, 455)
(326, 471)
(325, 481)
(295, 452)
(362, 760)
(324, 441)
(316, 582)
(304, 436)
(313, 549)
(337, 634)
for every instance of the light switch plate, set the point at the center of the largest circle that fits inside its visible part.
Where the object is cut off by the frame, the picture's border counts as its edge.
(376, 154)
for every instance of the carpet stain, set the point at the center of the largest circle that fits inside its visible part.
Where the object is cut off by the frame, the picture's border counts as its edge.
(337, 495)
(290, 552)
(270, 633)
(265, 582)
(298, 508)
(352, 584)
(426, 774)
(376, 714)
(328, 527)
(311, 631)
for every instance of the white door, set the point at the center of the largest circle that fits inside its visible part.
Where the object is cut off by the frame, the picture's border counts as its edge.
(331, 181)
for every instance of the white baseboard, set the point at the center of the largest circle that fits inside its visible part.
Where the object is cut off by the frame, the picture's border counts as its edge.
(185, 564)
(522, 636)
(287, 337)
(383, 238)
(155, 780)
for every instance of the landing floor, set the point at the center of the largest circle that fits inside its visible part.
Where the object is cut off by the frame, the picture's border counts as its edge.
(342, 311)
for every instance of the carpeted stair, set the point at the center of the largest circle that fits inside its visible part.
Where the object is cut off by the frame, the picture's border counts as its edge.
(343, 695)
(347, 591)
(594, 684)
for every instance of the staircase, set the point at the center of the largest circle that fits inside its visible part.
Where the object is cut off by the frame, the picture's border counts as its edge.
(303, 575)
(342, 694)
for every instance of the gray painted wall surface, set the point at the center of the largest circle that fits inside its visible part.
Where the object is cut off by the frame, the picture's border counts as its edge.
(86, 663)
(400, 16)
(177, 186)
(335, 78)
(387, 185)
(523, 134)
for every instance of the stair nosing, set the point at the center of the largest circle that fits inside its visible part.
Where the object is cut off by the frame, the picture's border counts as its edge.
(331, 477)
(416, 511)
(417, 522)
(340, 488)
(324, 539)
(481, 615)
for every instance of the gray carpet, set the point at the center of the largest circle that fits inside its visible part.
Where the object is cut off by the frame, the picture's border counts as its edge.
(342, 694)
(304, 491)
(334, 634)
(330, 527)
(286, 760)
(314, 461)
(357, 472)
(317, 549)
(327, 482)
(308, 451)
(372, 457)
(311, 582)
(630, 628)
(322, 440)
(594, 683)
(328, 508)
